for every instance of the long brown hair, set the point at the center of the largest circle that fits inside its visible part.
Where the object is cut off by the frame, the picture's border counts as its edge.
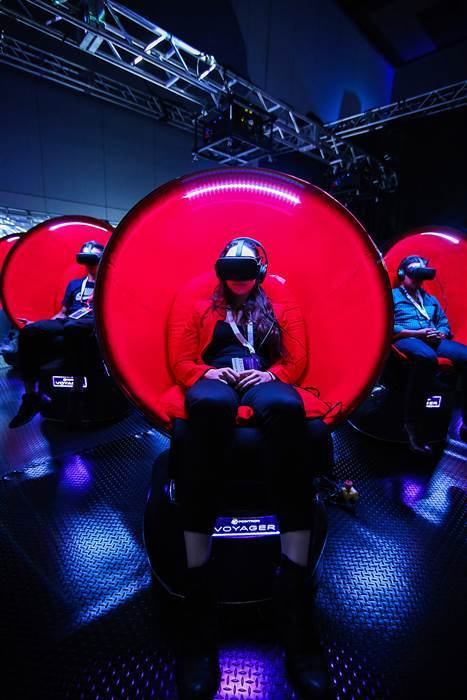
(259, 309)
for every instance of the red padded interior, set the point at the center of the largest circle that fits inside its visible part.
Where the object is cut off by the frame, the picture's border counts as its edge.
(39, 266)
(6, 243)
(176, 234)
(446, 249)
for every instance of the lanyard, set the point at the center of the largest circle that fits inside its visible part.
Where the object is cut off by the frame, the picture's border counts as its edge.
(90, 297)
(418, 305)
(240, 337)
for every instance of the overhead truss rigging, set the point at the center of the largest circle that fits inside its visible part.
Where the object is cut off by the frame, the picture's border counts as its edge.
(13, 220)
(439, 100)
(124, 39)
(44, 64)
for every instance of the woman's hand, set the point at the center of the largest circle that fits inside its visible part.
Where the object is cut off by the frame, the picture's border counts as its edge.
(24, 321)
(224, 374)
(251, 377)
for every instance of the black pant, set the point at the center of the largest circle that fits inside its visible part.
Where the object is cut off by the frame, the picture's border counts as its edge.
(43, 341)
(422, 372)
(290, 442)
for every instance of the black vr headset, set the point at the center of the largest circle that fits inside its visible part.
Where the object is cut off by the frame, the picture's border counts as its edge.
(240, 267)
(86, 257)
(416, 268)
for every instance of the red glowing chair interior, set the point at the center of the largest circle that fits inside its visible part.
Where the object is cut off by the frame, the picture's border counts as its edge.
(39, 267)
(6, 244)
(446, 249)
(175, 235)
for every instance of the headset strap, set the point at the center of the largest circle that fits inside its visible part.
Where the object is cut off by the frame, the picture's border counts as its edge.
(238, 334)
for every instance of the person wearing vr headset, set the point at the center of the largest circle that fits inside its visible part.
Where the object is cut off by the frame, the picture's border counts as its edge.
(422, 332)
(67, 333)
(253, 359)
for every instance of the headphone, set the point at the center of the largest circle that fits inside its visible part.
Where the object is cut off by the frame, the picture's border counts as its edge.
(262, 265)
(410, 259)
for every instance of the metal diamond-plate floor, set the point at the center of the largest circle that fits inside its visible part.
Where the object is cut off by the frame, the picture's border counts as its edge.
(41, 439)
(79, 618)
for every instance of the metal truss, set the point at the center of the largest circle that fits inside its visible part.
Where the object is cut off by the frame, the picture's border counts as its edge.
(14, 220)
(19, 220)
(44, 64)
(124, 39)
(440, 100)
(18, 54)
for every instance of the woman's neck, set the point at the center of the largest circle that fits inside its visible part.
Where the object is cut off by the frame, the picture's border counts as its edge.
(238, 300)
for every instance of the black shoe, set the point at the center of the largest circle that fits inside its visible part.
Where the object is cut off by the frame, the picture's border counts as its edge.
(197, 671)
(293, 602)
(416, 443)
(31, 405)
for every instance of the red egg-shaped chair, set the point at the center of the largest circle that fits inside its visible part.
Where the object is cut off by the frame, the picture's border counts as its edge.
(160, 261)
(36, 272)
(382, 414)
(6, 243)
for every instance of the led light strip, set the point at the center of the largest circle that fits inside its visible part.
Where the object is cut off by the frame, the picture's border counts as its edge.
(76, 223)
(440, 235)
(245, 187)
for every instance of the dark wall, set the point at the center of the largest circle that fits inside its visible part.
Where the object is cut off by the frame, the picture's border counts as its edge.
(310, 54)
(65, 153)
(429, 154)
(432, 71)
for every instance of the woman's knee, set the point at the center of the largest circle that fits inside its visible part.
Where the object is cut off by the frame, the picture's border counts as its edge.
(317, 431)
(212, 399)
(286, 407)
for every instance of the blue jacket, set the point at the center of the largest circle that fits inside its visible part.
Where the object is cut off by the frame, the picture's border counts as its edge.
(406, 316)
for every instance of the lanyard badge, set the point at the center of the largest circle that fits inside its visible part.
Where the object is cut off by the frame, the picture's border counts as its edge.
(86, 308)
(418, 305)
(251, 361)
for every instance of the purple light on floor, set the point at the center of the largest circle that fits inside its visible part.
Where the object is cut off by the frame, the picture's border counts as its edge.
(76, 474)
(250, 673)
(412, 491)
(260, 526)
(437, 500)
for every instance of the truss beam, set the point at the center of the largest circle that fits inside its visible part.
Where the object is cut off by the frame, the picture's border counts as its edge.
(14, 220)
(18, 54)
(136, 45)
(440, 100)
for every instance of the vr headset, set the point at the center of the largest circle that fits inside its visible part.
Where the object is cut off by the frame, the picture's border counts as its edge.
(86, 257)
(416, 268)
(240, 267)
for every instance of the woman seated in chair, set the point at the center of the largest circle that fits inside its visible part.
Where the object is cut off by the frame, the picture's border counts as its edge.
(255, 353)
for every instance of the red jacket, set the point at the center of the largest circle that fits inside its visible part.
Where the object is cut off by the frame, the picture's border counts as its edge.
(191, 328)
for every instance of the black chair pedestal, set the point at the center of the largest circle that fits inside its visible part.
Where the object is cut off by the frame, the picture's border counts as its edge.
(101, 401)
(246, 539)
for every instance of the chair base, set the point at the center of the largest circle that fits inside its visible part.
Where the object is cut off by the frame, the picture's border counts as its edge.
(246, 545)
(381, 416)
(101, 401)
